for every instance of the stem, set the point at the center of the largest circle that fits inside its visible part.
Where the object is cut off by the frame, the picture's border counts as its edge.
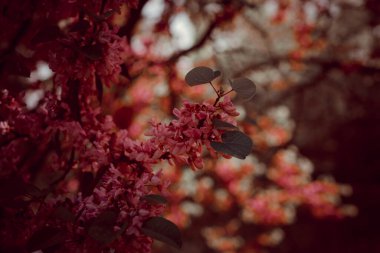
(104, 2)
(217, 93)
(227, 92)
(217, 100)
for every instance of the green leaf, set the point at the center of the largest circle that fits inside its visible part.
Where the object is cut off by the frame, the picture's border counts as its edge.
(163, 230)
(199, 75)
(244, 87)
(155, 199)
(222, 125)
(45, 238)
(234, 143)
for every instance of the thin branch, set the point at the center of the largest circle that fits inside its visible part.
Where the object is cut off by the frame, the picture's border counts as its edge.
(197, 45)
(217, 93)
(133, 20)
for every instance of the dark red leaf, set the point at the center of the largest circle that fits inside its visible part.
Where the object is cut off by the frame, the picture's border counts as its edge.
(63, 213)
(13, 192)
(81, 26)
(46, 34)
(101, 228)
(234, 143)
(87, 183)
(199, 75)
(163, 230)
(19, 65)
(244, 87)
(45, 238)
(155, 199)
(216, 73)
(222, 125)
(11, 188)
(93, 52)
(99, 89)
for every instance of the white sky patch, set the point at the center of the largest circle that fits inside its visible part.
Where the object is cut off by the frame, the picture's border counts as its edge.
(161, 90)
(153, 9)
(183, 31)
(137, 45)
(192, 208)
(241, 112)
(32, 97)
(311, 12)
(42, 73)
(270, 8)
(185, 63)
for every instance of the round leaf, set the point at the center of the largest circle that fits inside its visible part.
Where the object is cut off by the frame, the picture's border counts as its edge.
(101, 228)
(216, 73)
(199, 75)
(163, 230)
(155, 199)
(45, 238)
(64, 214)
(234, 143)
(244, 87)
(222, 125)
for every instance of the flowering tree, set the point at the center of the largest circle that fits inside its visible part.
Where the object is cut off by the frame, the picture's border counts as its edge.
(70, 179)
(92, 163)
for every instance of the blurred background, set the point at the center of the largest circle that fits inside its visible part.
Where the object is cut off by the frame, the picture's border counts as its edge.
(312, 182)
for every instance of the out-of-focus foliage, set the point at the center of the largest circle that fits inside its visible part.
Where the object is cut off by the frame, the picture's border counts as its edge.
(316, 67)
(314, 121)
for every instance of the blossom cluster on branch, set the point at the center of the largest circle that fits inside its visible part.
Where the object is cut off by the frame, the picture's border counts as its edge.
(74, 179)
(70, 180)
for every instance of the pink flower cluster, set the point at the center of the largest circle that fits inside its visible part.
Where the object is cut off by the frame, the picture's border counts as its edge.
(182, 140)
(120, 169)
(293, 188)
(87, 52)
(67, 172)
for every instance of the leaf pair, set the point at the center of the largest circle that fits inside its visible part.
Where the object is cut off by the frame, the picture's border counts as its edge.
(244, 87)
(201, 75)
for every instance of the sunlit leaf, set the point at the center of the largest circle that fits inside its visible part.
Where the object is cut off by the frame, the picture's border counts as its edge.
(234, 143)
(244, 88)
(199, 75)
(163, 230)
